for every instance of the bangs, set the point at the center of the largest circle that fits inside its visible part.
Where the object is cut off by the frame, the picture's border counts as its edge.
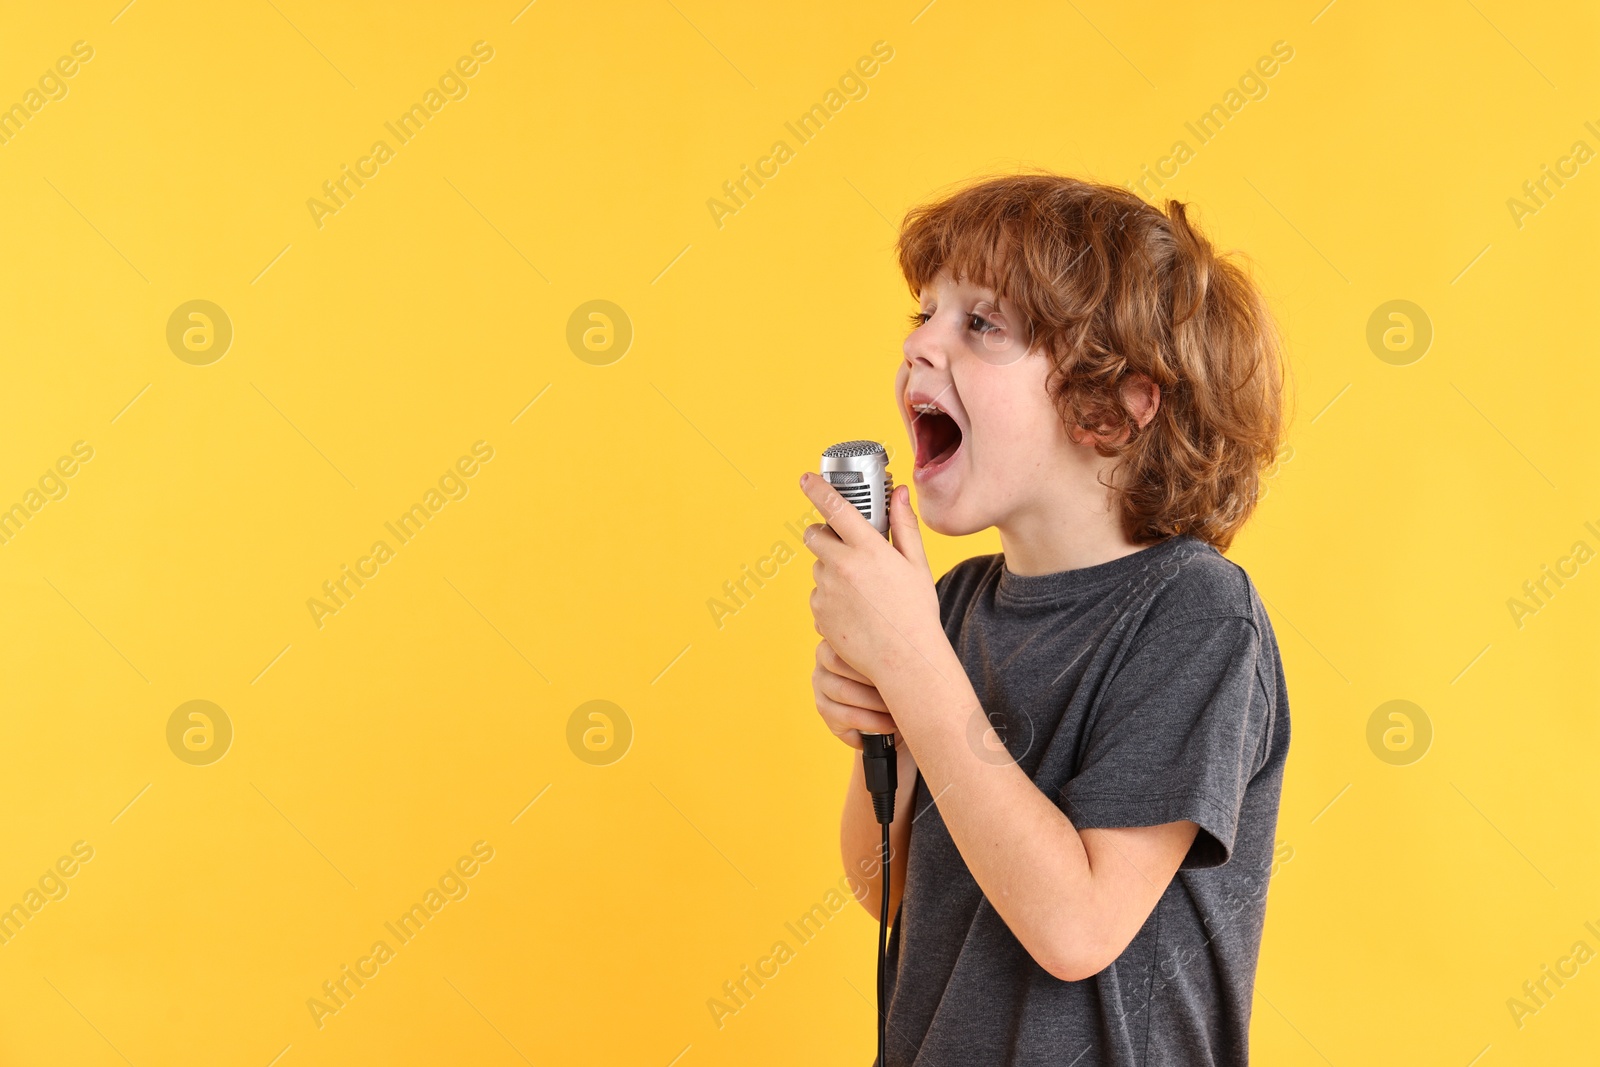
(975, 237)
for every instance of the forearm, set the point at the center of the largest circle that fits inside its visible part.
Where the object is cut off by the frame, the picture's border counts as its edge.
(1024, 853)
(861, 836)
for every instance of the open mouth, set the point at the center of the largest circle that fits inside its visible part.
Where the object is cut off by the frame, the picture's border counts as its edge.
(938, 436)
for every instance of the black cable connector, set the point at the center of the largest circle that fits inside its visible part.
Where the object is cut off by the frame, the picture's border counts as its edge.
(877, 761)
(878, 765)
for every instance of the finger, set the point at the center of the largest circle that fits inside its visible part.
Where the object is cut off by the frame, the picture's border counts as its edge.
(838, 512)
(843, 690)
(905, 530)
(829, 659)
(822, 540)
(841, 717)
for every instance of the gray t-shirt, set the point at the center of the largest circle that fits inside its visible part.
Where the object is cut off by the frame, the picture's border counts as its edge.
(1133, 693)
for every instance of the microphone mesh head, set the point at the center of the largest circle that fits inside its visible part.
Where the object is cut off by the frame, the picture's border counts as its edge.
(854, 450)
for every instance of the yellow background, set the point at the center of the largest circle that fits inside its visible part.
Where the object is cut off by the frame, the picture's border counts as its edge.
(371, 352)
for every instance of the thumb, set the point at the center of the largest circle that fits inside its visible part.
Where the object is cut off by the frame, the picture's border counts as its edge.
(904, 529)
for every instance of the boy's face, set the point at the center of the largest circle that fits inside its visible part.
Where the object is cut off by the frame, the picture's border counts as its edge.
(971, 389)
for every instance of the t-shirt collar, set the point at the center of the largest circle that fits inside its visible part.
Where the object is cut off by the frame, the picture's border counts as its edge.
(1035, 588)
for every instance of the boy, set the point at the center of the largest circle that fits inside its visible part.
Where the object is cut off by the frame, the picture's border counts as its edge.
(1091, 725)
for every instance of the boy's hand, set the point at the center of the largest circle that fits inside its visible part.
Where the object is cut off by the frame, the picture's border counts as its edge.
(847, 700)
(874, 602)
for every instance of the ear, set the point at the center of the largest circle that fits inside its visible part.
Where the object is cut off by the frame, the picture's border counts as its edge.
(1143, 397)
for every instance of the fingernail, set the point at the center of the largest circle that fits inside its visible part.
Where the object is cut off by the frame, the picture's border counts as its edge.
(804, 476)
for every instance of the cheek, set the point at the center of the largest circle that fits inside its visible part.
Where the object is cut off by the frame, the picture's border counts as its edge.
(1000, 419)
(1013, 421)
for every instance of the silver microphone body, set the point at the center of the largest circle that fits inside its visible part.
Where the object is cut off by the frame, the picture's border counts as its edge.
(859, 471)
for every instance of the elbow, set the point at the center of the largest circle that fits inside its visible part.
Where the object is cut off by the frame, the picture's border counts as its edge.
(1071, 969)
(1074, 957)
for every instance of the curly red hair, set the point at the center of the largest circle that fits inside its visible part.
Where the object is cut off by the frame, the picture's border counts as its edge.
(1111, 286)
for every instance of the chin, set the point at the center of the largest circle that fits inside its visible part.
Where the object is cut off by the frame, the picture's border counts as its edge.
(948, 519)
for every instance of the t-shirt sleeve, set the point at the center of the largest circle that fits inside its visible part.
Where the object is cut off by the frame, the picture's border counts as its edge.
(1176, 734)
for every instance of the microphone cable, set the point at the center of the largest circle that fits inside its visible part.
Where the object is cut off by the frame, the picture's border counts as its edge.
(878, 765)
(884, 952)
(883, 956)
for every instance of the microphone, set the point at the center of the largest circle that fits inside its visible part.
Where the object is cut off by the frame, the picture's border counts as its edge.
(859, 471)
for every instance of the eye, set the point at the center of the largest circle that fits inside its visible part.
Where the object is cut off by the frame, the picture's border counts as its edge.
(919, 318)
(980, 324)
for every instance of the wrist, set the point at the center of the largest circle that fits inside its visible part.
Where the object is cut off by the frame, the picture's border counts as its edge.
(930, 698)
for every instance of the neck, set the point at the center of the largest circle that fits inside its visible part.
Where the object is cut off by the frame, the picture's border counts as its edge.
(1064, 534)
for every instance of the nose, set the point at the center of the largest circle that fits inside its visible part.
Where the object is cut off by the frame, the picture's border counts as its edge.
(922, 346)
